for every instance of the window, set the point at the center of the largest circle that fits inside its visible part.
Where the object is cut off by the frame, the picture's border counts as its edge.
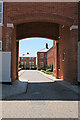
(30, 58)
(22, 58)
(63, 56)
(54, 63)
(32, 66)
(25, 58)
(25, 63)
(59, 62)
(41, 55)
(41, 64)
(1, 12)
(0, 45)
(32, 63)
(21, 63)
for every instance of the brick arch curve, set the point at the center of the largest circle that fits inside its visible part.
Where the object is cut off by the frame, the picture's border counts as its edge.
(38, 11)
(37, 29)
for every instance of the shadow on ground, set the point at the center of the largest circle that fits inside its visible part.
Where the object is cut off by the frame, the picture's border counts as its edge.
(46, 91)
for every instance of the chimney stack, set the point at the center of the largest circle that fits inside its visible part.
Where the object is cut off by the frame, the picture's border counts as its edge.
(47, 45)
(27, 52)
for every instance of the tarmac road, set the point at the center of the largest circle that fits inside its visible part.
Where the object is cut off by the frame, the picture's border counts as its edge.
(44, 99)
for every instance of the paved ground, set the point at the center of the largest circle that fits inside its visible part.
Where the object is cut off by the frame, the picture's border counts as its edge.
(44, 99)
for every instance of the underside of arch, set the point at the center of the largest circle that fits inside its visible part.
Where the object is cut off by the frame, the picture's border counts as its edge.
(37, 29)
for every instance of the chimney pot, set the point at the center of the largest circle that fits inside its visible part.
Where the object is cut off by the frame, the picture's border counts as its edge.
(47, 45)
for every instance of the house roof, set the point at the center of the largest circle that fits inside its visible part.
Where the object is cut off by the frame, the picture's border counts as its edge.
(27, 55)
(44, 50)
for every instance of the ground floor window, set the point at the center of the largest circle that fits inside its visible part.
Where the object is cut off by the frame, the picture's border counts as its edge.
(41, 64)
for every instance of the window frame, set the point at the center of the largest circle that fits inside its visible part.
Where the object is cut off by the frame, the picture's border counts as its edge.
(33, 63)
(1, 23)
(41, 55)
(29, 63)
(41, 66)
(21, 58)
(29, 58)
(1, 46)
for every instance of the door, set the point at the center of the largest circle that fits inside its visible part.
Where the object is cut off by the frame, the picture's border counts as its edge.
(6, 67)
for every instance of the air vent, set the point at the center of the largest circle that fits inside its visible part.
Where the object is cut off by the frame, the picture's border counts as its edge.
(0, 45)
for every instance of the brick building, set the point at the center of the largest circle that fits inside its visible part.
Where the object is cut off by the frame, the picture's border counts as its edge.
(50, 56)
(28, 61)
(54, 20)
(42, 58)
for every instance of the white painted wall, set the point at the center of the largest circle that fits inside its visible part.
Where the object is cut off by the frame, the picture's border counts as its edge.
(78, 61)
(5, 70)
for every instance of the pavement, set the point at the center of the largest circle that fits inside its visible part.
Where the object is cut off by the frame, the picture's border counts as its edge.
(43, 88)
(75, 88)
(45, 98)
(18, 87)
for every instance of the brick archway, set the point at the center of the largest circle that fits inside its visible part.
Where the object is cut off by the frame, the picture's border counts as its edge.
(50, 20)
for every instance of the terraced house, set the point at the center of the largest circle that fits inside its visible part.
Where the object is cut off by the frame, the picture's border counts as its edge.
(28, 61)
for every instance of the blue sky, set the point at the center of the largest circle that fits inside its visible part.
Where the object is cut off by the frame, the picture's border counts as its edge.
(32, 45)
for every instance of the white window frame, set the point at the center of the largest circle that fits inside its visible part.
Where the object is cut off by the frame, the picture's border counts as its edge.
(29, 58)
(32, 63)
(25, 63)
(41, 55)
(1, 2)
(41, 64)
(29, 63)
(22, 63)
(1, 45)
(25, 58)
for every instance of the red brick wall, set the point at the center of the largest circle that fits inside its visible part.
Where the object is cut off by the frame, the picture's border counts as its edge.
(28, 60)
(44, 60)
(0, 33)
(50, 56)
(54, 59)
(68, 45)
(61, 13)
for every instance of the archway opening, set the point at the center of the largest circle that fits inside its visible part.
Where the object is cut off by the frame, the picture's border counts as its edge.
(37, 53)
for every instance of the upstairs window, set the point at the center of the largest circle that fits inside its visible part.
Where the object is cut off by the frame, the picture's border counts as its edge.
(22, 58)
(41, 55)
(29, 58)
(25, 58)
(1, 12)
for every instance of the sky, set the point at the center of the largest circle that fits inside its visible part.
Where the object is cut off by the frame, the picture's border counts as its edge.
(32, 45)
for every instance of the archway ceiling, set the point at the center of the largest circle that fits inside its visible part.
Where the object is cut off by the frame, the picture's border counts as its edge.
(37, 29)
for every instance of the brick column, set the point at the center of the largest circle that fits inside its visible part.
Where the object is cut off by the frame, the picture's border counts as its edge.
(74, 37)
(17, 59)
(13, 55)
